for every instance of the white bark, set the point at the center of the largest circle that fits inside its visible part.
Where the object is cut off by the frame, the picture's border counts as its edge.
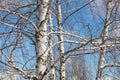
(104, 37)
(41, 41)
(62, 60)
(52, 73)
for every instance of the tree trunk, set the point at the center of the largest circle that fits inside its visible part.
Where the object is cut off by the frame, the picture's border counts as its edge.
(41, 41)
(62, 60)
(104, 38)
(52, 73)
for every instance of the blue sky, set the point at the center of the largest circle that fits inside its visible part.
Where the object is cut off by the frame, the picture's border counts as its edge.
(81, 23)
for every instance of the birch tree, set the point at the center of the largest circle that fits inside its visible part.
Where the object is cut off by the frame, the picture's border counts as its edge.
(62, 60)
(51, 54)
(110, 6)
(30, 21)
(38, 37)
(41, 41)
(104, 38)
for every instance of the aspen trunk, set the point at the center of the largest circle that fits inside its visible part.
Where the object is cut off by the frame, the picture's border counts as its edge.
(62, 61)
(41, 41)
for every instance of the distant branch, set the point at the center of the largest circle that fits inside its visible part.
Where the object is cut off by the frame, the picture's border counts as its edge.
(76, 11)
(20, 15)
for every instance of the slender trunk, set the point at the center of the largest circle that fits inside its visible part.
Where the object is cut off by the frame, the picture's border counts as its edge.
(41, 41)
(52, 73)
(100, 64)
(62, 60)
(104, 38)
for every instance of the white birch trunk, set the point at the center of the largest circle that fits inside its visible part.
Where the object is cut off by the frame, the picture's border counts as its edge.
(62, 60)
(104, 38)
(52, 73)
(41, 41)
